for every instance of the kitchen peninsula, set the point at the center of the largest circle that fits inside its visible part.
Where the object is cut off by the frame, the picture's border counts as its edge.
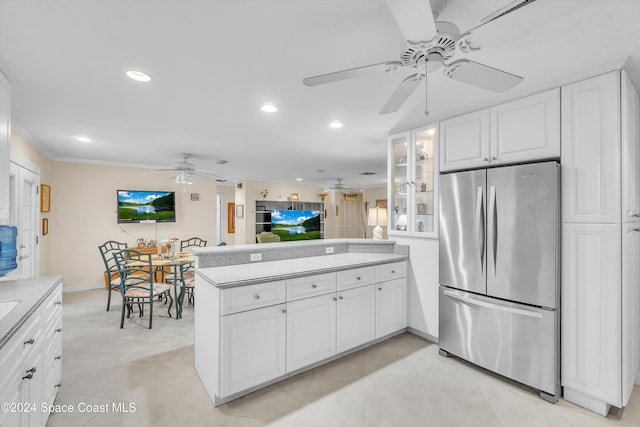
(266, 313)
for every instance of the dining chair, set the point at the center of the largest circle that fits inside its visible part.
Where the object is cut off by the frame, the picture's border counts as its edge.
(189, 273)
(137, 284)
(112, 277)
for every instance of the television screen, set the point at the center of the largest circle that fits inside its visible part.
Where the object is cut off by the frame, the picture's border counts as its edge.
(296, 225)
(137, 206)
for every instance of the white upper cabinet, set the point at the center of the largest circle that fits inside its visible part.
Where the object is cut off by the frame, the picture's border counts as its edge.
(413, 183)
(526, 129)
(464, 141)
(591, 150)
(5, 134)
(630, 150)
(521, 130)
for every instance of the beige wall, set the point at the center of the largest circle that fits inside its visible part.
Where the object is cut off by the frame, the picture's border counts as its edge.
(83, 215)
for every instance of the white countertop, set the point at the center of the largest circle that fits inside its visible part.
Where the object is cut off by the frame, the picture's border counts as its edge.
(30, 293)
(248, 274)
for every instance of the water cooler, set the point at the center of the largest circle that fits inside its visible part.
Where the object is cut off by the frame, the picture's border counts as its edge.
(8, 251)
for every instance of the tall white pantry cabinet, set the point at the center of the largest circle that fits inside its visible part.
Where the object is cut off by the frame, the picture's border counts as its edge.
(600, 240)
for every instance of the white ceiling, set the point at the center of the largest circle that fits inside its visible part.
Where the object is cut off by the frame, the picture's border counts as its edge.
(214, 63)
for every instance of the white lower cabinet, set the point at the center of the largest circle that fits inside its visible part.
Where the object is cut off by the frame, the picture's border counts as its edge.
(244, 345)
(29, 372)
(356, 317)
(311, 330)
(391, 306)
(253, 348)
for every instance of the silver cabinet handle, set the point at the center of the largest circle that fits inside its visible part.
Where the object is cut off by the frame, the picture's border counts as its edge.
(314, 286)
(335, 299)
(29, 373)
(284, 310)
(57, 357)
(341, 297)
(21, 257)
(22, 246)
(30, 341)
(58, 385)
(59, 330)
(486, 159)
(358, 278)
(256, 296)
(636, 229)
(379, 289)
(493, 157)
(393, 272)
(57, 303)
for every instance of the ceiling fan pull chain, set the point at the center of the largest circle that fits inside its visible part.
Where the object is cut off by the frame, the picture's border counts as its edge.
(426, 95)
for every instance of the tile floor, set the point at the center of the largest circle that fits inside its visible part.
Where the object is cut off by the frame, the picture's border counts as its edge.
(400, 382)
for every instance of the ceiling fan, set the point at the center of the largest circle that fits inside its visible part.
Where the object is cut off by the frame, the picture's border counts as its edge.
(185, 170)
(430, 46)
(339, 186)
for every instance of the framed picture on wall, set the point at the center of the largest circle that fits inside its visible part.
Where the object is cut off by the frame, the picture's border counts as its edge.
(239, 211)
(45, 198)
(231, 218)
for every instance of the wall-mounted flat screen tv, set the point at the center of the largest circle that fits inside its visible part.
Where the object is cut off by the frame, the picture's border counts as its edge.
(296, 225)
(139, 206)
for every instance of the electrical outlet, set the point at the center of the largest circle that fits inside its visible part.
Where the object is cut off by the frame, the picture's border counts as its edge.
(328, 250)
(255, 257)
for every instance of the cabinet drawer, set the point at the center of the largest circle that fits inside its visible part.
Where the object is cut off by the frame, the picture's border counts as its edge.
(52, 307)
(308, 286)
(249, 297)
(356, 277)
(391, 271)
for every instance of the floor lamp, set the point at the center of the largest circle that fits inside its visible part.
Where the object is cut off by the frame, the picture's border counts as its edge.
(377, 218)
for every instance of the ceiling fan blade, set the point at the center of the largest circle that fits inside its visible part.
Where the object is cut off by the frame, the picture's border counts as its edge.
(521, 17)
(401, 94)
(414, 19)
(350, 73)
(483, 76)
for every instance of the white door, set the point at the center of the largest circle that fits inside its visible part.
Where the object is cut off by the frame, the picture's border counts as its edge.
(526, 129)
(464, 141)
(630, 308)
(311, 330)
(252, 349)
(591, 314)
(391, 306)
(356, 317)
(23, 213)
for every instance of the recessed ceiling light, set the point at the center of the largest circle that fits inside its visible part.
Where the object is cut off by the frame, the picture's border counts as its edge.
(269, 108)
(298, 179)
(335, 125)
(138, 76)
(83, 139)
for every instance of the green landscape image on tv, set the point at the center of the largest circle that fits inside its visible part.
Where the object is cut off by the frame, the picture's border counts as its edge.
(296, 225)
(137, 206)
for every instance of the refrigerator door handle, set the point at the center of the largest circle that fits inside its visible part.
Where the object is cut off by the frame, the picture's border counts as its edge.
(472, 301)
(480, 225)
(493, 218)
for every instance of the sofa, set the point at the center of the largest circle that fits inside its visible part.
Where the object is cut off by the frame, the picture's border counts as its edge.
(267, 237)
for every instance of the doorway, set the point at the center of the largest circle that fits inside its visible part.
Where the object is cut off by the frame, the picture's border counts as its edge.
(24, 183)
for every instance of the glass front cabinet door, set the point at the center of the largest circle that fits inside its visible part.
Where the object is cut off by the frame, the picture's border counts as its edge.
(413, 179)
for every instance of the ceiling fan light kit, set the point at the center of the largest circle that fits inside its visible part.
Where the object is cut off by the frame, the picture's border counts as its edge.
(430, 44)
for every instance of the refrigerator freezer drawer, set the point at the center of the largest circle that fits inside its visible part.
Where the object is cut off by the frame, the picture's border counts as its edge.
(514, 340)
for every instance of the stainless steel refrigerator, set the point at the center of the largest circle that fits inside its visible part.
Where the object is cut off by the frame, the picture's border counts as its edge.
(500, 271)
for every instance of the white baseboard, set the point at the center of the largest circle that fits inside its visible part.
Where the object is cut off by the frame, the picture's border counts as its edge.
(85, 287)
(422, 334)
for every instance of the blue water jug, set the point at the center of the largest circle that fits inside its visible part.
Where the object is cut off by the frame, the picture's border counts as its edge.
(8, 251)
